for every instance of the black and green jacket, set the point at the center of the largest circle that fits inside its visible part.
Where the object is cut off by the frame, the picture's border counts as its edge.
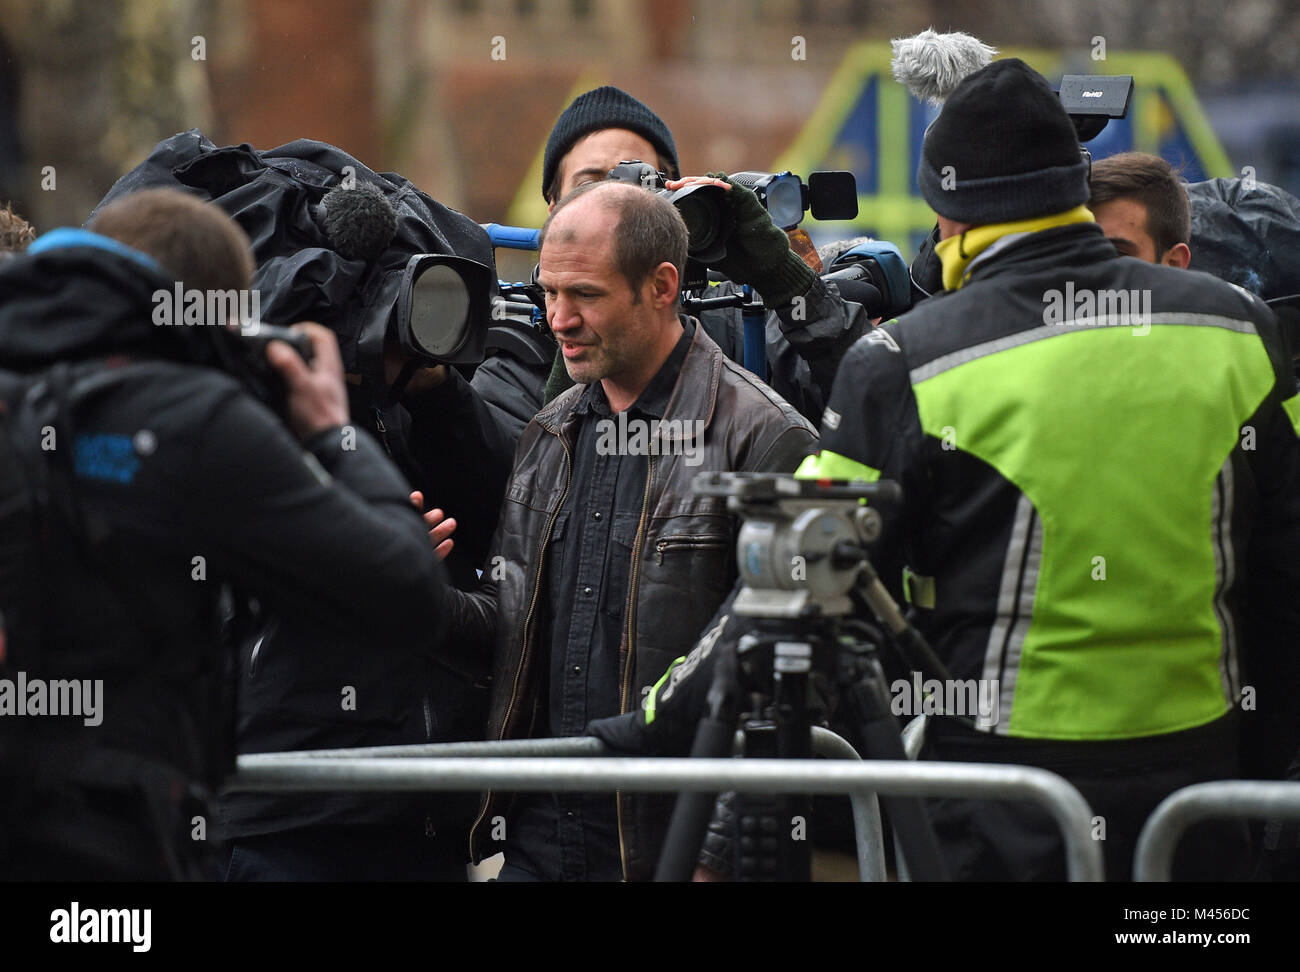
(1100, 511)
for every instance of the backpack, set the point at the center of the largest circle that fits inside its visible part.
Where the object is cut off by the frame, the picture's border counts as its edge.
(33, 485)
(43, 523)
(41, 520)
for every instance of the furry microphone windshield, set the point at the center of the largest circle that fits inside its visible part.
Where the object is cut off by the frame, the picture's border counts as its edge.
(359, 221)
(930, 65)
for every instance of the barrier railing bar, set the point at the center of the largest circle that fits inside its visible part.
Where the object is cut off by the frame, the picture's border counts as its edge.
(641, 774)
(868, 830)
(566, 746)
(1154, 857)
(913, 741)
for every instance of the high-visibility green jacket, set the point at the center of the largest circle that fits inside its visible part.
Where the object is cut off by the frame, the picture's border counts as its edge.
(1098, 458)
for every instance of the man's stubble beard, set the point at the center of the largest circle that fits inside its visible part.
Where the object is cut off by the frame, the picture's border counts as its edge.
(594, 368)
(614, 358)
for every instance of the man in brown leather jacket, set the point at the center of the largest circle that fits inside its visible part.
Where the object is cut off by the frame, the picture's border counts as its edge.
(605, 566)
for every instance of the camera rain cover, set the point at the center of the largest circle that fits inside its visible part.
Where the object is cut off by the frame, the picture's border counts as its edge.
(1247, 233)
(275, 195)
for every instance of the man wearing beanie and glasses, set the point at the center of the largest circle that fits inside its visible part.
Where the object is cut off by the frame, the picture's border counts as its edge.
(1100, 521)
(809, 326)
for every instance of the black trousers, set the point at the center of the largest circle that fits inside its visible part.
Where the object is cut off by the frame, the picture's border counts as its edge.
(64, 831)
(357, 852)
(1123, 782)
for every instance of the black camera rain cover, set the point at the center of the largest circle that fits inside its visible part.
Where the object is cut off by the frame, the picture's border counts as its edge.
(1247, 233)
(300, 275)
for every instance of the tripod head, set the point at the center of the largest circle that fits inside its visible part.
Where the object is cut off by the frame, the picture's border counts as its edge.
(801, 548)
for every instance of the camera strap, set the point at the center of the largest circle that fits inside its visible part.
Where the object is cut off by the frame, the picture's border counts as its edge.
(394, 392)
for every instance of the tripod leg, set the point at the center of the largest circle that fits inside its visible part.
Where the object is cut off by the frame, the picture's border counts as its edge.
(793, 667)
(869, 710)
(692, 811)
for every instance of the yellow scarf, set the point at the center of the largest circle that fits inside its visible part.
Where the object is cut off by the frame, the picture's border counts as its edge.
(956, 252)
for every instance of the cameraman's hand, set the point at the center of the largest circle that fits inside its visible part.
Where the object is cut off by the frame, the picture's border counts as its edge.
(440, 527)
(316, 397)
(423, 379)
(684, 181)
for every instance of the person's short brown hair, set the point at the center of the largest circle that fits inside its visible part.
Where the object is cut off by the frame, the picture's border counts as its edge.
(650, 231)
(15, 232)
(195, 241)
(1152, 181)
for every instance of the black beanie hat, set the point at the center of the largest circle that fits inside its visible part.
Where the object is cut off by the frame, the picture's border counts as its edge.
(1012, 148)
(601, 108)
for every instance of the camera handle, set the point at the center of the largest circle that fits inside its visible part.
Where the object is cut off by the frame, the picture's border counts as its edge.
(753, 316)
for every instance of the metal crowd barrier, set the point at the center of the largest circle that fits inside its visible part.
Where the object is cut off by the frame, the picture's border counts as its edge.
(534, 765)
(913, 741)
(868, 831)
(914, 737)
(1153, 860)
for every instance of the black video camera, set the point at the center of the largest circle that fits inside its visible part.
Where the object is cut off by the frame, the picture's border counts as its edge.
(244, 356)
(1092, 101)
(830, 195)
(703, 209)
(708, 219)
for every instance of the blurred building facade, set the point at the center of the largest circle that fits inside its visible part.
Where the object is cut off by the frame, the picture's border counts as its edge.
(459, 95)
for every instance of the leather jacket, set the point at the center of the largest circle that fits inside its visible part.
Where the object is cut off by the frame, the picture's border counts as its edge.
(683, 561)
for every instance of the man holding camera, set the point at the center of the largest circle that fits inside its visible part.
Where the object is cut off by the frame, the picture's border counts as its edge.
(809, 326)
(158, 487)
(605, 563)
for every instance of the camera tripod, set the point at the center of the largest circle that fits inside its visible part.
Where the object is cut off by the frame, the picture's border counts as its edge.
(806, 650)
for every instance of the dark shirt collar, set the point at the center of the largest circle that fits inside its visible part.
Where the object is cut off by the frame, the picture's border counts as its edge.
(653, 400)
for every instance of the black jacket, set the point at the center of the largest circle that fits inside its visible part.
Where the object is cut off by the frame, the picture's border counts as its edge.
(216, 494)
(1045, 413)
(292, 671)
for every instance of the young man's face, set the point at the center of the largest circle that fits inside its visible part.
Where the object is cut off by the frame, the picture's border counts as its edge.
(1124, 221)
(593, 155)
(605, 331)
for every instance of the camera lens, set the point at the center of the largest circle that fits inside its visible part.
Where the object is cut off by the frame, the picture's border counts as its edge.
(700, 220)
(702, 215)
(785, 202)
(439, 310)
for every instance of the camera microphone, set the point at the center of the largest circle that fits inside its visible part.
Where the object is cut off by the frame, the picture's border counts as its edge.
(358, 221)
(930, 65)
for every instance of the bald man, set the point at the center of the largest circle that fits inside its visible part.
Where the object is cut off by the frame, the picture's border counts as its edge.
(605, 566)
